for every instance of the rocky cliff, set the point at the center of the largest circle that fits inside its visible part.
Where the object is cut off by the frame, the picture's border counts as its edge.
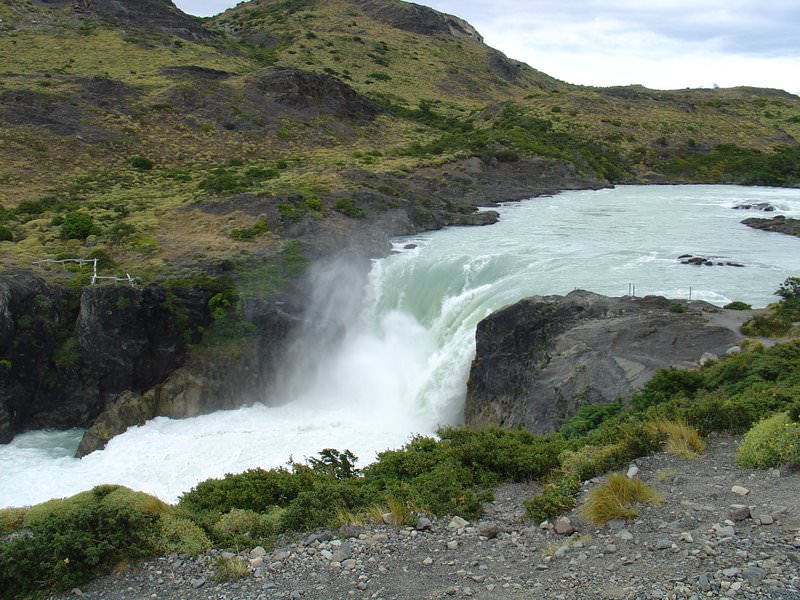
(540, 359)
(66, 355)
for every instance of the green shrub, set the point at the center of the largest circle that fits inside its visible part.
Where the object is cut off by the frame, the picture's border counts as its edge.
(591, 461)
(78, 226)
(222, 181)
(771, 325)
(6, 235)
(246, 527)
(347, 207)
(676, 307)
(248, 234)
(736, 305)
(79, 538)
(141, 163)
(180, 535)
(666, 384)
(380, 76)
(503, 454)
(557, 497)
(589, 417)
(104, 260)
(772, 442)
(255, 489)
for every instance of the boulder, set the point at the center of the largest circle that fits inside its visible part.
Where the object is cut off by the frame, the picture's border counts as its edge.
(539, 360)
(779, 224)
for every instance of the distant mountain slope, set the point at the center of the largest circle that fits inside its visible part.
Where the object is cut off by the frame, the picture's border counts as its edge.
(167, 144)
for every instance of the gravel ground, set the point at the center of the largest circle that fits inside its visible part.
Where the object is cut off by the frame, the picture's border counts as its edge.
(705, 540)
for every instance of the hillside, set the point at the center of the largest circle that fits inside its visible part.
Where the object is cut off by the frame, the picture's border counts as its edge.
(168, 145)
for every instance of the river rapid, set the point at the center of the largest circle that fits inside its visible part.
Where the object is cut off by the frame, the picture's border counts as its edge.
(404, 333)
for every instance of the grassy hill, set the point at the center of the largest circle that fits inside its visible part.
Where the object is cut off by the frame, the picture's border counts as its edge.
(165, 144)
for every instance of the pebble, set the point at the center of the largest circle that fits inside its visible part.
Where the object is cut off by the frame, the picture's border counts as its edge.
(765, 520)
(739, 490)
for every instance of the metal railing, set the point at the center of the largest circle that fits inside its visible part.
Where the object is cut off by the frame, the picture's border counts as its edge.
(93, 261)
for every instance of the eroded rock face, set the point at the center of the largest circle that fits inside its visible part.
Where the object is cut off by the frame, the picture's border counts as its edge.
(417, 19)
(161, 15)
(214, 379)
(65, 354)
(540, 359)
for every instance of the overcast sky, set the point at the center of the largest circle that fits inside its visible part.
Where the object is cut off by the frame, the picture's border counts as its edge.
(663, 44)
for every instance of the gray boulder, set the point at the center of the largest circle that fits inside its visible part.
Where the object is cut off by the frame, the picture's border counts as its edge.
(540, 359)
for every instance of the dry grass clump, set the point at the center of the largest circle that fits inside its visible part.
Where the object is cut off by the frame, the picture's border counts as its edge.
(681, 438)
(402, 513)
(230, 569)
(615, 499)
(346, 517)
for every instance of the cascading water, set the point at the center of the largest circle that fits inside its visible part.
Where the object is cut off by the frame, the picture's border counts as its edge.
(386, 354)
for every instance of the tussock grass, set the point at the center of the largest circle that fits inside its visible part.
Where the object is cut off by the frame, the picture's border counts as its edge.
(681, 438)
(347, 517)
(402, 513)
(615, 499)
(230, 569)
(375, 513)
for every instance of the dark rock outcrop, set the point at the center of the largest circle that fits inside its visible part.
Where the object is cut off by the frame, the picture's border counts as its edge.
(114, 356)
(311, 94)
(268, 98)
(66, 354)
(217, 379)
(416, 18)
(161, 15)
(779, 224)
(540, 359)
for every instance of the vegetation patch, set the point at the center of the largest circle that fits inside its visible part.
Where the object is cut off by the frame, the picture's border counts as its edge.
(616, 499)
(772, 442)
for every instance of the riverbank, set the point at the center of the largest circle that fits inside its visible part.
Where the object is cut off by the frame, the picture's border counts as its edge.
(683, 548)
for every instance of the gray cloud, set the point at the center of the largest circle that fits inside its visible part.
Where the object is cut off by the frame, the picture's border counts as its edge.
(768, 27)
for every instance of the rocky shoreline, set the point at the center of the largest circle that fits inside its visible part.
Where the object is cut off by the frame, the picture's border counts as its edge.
(705, 540)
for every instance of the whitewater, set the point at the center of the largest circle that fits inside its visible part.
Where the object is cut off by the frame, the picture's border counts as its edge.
(386, 354)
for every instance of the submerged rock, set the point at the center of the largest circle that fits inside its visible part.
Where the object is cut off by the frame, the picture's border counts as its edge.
(779, 224)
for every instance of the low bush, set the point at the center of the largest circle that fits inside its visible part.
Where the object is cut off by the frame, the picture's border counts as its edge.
(772, 442)
(78, 226)
(141, 163)
(347, 207)
(557, 497)
(737, 305)
(76, 539)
